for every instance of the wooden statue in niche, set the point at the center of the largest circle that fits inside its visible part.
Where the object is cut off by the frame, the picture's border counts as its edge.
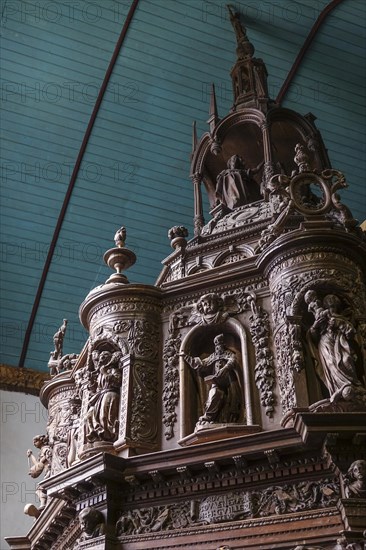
(220, 373)
(105, 379)
(235, 185)
(334, 349)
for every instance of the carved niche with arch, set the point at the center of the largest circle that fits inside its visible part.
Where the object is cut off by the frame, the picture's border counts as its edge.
(331, 357)
(197, 390)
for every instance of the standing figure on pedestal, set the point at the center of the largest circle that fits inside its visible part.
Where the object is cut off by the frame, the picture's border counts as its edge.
(58, 339)
(218, 370)
(101, 422)
(40, 464)
(235, 185)
(332, 338)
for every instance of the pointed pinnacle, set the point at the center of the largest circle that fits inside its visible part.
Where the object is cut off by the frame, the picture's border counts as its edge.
(194, 137)
(214, 117)
(213, 105)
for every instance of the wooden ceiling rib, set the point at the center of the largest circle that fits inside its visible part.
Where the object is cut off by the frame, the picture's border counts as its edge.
(310, 37)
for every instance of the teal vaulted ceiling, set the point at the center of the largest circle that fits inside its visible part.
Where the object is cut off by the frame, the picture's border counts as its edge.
(135, 170)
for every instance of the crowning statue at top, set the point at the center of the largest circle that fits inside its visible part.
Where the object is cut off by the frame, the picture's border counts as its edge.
(244, 48)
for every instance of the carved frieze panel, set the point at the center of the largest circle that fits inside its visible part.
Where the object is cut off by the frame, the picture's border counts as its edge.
(272, 501)
(113, 310)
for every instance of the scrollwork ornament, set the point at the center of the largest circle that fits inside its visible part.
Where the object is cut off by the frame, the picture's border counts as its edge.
(336, 180)
(143, 339)
(161, 518)
(143, 418)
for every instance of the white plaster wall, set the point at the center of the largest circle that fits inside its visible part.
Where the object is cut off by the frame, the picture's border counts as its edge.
(21, 418)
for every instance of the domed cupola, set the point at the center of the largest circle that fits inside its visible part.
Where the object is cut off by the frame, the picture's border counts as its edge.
(240, 153)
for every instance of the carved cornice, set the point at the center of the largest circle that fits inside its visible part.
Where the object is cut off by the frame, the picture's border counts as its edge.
(212, 278)
(107, 299)
(335, 241)
(172, 301)
(21, 379)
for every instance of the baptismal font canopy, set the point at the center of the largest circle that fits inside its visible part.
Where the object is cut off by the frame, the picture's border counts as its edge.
(225, 406)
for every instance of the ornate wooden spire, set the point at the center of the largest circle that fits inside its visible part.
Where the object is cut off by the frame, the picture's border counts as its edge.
(249, 75)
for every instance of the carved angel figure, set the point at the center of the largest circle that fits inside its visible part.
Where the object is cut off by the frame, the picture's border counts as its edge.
(224, 401)
(235, 185)
(355, 480)
(101, 422)
(332, 338)
(210, 309)
(41, 464)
